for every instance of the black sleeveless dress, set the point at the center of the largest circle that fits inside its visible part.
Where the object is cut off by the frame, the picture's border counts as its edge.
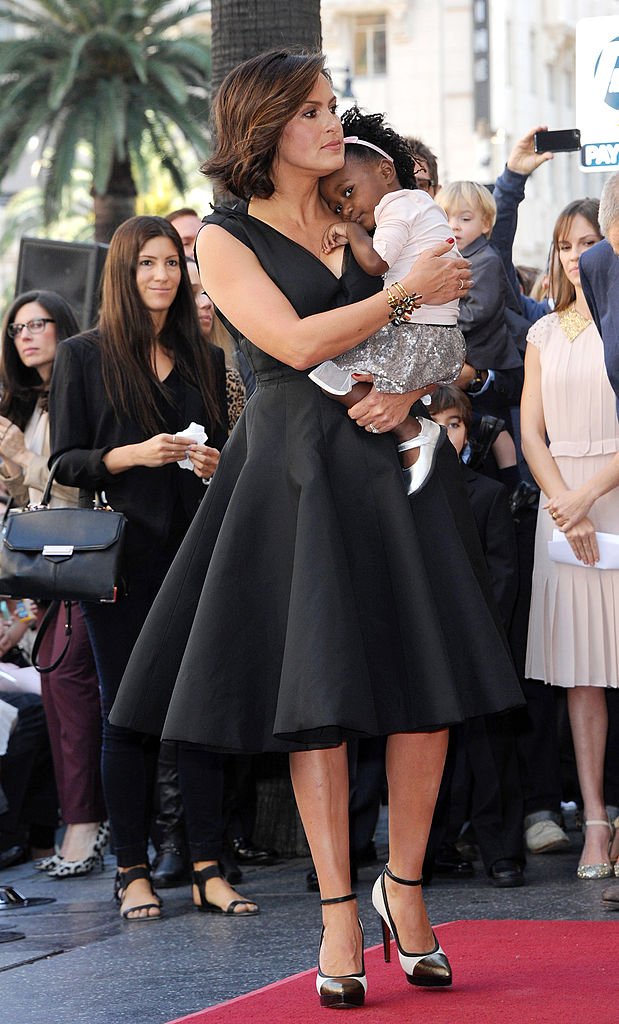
(311, 600)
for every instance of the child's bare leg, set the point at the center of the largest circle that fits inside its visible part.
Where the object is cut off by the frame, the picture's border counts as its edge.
(356, 393)
(404, 432)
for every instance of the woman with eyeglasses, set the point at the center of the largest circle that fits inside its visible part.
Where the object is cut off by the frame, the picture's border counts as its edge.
(34, 324)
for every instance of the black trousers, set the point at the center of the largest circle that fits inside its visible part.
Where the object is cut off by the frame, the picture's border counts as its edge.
(129, 758)
(30, 802)
(486, 786)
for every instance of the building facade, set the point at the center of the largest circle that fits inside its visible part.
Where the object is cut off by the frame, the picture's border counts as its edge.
(470, 77)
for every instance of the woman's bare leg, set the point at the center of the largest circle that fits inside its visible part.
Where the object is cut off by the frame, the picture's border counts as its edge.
(589, 724)
(320, 781)
(415, 763)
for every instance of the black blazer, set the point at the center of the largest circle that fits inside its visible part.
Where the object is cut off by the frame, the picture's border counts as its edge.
(84, 426)
(496, 530)
(599, 276)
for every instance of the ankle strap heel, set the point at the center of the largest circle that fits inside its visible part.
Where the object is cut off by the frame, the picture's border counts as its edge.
(428, 969)
(341, 992)
(338, 899)
(402, 881)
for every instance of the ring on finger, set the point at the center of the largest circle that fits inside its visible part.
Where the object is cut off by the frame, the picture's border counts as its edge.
(461, 284)
(373, 429)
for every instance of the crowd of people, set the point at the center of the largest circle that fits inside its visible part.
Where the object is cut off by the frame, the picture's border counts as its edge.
(396, 563)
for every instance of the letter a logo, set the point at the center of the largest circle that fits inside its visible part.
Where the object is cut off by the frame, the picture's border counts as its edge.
(606, 74)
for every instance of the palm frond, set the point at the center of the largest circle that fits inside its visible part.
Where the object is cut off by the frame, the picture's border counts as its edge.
(65, 73)
(115, 74)
(104, 141)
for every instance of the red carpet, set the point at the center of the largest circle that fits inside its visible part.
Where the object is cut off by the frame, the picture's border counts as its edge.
(505, 972)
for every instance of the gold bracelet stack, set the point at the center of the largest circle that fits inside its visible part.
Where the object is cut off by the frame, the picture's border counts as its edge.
(401, 304)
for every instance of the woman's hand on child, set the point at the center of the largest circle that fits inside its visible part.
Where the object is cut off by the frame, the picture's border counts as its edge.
(383, 411)
(437, 280)
(583, 541)
(335, 236)
(568, 508)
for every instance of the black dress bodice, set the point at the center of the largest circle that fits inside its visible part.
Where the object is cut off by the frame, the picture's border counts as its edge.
(308, 283)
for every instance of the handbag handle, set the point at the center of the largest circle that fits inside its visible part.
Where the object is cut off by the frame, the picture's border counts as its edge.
(46, 622)
(47, 493)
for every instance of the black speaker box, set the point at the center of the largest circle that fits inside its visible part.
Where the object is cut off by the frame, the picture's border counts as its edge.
(73, 269)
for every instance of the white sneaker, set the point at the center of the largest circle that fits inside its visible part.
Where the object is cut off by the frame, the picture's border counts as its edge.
(546, 837)
(428, 440)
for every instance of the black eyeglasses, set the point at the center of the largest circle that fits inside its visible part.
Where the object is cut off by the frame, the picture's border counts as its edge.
(425, 184)
(34, 326)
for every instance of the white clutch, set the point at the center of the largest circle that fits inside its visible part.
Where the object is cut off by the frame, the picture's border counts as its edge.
(559, 550)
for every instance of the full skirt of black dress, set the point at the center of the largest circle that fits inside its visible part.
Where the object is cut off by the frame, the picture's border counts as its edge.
(311, 599)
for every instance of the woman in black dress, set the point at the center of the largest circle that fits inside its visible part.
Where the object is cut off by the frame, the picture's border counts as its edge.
(120, 398)
(304, 606)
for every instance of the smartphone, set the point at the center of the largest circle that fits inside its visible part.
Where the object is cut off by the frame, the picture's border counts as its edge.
(564, 141)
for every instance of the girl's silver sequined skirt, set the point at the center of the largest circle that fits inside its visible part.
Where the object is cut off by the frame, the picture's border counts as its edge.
(401, 358)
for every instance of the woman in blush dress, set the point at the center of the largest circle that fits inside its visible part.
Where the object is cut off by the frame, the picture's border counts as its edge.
(567, 398)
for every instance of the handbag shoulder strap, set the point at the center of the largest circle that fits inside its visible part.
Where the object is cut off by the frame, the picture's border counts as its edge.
(46, 622)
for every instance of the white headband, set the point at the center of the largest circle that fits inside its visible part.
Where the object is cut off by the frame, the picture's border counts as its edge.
(355, 140)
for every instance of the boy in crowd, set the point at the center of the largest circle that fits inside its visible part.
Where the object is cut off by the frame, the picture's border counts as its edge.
(485, 782)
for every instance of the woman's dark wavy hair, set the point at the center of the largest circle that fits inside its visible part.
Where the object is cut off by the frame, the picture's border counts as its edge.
(21, 386)
(126, 332)
(372, 128)
(561, 288)
(252, 107)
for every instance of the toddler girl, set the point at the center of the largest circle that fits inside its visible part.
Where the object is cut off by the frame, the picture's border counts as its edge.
(376, 189)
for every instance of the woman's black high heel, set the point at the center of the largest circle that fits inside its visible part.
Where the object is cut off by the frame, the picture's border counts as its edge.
(201, 877)
(347, 991)
(429, 969)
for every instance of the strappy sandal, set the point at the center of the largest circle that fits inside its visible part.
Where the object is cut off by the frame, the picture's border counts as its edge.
(613, 853)
(605, 869)
(200, 878)
(121, 885)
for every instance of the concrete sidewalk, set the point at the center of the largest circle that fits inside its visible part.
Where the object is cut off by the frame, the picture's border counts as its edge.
(80, 964)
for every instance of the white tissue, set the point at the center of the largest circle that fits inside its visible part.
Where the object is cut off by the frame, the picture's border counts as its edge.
(195, 432)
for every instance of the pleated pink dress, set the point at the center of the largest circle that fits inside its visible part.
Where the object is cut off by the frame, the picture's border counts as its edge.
(573, 635)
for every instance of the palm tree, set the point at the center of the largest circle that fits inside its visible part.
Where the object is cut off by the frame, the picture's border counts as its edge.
(116, 74)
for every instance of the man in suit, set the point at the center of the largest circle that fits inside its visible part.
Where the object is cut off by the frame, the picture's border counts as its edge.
(599, 276)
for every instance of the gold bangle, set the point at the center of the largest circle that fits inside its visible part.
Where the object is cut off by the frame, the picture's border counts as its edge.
(401, 304)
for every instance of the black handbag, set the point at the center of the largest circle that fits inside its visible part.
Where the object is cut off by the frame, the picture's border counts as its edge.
(63, 554)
